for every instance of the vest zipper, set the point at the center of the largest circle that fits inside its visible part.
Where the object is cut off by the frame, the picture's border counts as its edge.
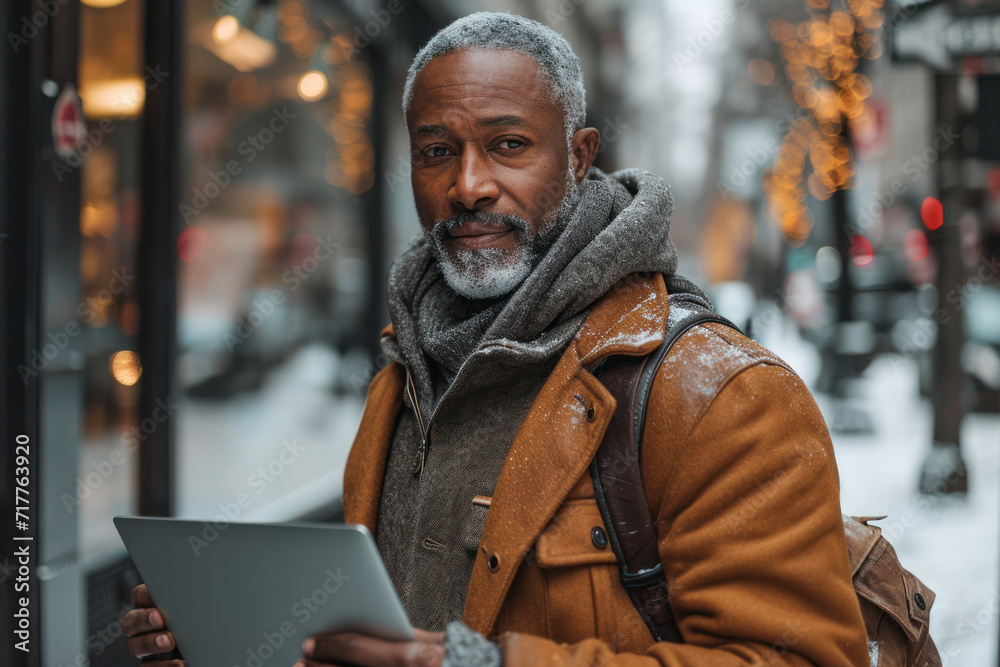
(411, 393)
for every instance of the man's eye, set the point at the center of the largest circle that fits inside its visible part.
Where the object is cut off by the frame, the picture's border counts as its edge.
(510, 144)
(436, 151)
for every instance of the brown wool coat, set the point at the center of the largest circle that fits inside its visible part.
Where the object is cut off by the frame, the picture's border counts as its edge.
(737, 468)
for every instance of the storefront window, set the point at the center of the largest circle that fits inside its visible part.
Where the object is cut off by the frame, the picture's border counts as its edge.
(278, 159)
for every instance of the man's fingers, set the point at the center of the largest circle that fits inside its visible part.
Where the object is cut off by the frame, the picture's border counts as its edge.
(150, 643)
(352, 648)
(424, 654)
(138, 621)
(347, 647)
(140, 596)
(429, 637)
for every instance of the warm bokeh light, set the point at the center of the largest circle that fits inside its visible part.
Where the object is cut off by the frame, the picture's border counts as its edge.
(113, 98)
(245, 50)
(99, 218)
(821, 58)
(102, 4)
(294, 29)
(761, 71)
(312, 86)
(125, 367)
(226, 29)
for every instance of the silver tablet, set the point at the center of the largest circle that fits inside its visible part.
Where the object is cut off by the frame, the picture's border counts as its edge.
(248, 595)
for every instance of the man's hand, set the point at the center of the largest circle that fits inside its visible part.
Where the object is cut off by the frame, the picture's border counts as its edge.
(348, 648)
(146, 631)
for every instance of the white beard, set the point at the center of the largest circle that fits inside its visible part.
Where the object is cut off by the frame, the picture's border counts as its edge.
(486, 273)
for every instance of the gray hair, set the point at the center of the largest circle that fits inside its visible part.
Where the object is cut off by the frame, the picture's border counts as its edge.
(502, 32)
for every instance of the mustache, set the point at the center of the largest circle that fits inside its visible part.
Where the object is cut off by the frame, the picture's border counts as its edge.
(442, 227)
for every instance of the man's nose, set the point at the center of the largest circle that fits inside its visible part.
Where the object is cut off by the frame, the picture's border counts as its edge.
(474, 186)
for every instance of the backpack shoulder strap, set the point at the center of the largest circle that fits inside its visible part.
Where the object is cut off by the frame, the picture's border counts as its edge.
(617, 480)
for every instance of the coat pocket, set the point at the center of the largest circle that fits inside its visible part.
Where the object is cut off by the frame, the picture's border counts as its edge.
(569, 538)
(583, 593)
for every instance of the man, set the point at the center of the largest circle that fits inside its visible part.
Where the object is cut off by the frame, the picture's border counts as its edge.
(470, 464)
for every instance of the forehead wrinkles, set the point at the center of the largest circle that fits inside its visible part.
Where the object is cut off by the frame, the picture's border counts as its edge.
(467, 101)
(474, 80)
(454, 112)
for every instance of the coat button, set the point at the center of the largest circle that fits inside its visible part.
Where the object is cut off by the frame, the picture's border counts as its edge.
(599, 537)
(919, 599)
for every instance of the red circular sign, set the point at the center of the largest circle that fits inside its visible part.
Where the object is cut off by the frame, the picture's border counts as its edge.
(68, 126)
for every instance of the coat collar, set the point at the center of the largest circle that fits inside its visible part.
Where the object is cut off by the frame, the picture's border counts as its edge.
(552, 448)
(629, 319)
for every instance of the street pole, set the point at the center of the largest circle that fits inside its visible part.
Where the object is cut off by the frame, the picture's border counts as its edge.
(944, 470)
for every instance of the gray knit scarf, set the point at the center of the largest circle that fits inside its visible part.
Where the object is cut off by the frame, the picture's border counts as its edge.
(618, 226)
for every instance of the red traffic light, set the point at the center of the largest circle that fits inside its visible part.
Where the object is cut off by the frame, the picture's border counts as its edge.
(861, 251)
(932, 213)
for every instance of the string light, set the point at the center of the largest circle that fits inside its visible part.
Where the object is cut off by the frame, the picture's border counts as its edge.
(821, 56)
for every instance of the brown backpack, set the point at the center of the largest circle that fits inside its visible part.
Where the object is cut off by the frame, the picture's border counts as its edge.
(895, 604)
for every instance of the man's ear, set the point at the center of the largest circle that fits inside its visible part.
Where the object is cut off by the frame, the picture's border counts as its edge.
(585, 143)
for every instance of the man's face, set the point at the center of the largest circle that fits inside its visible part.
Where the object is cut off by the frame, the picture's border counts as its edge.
(491, 166)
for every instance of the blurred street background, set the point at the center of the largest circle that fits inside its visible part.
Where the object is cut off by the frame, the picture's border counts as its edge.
(202, 198)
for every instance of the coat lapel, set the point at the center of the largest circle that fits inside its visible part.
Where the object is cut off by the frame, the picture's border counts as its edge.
(558, 439)
(550, 452)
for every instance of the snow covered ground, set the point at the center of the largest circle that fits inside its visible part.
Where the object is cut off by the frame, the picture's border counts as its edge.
(951, 544)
